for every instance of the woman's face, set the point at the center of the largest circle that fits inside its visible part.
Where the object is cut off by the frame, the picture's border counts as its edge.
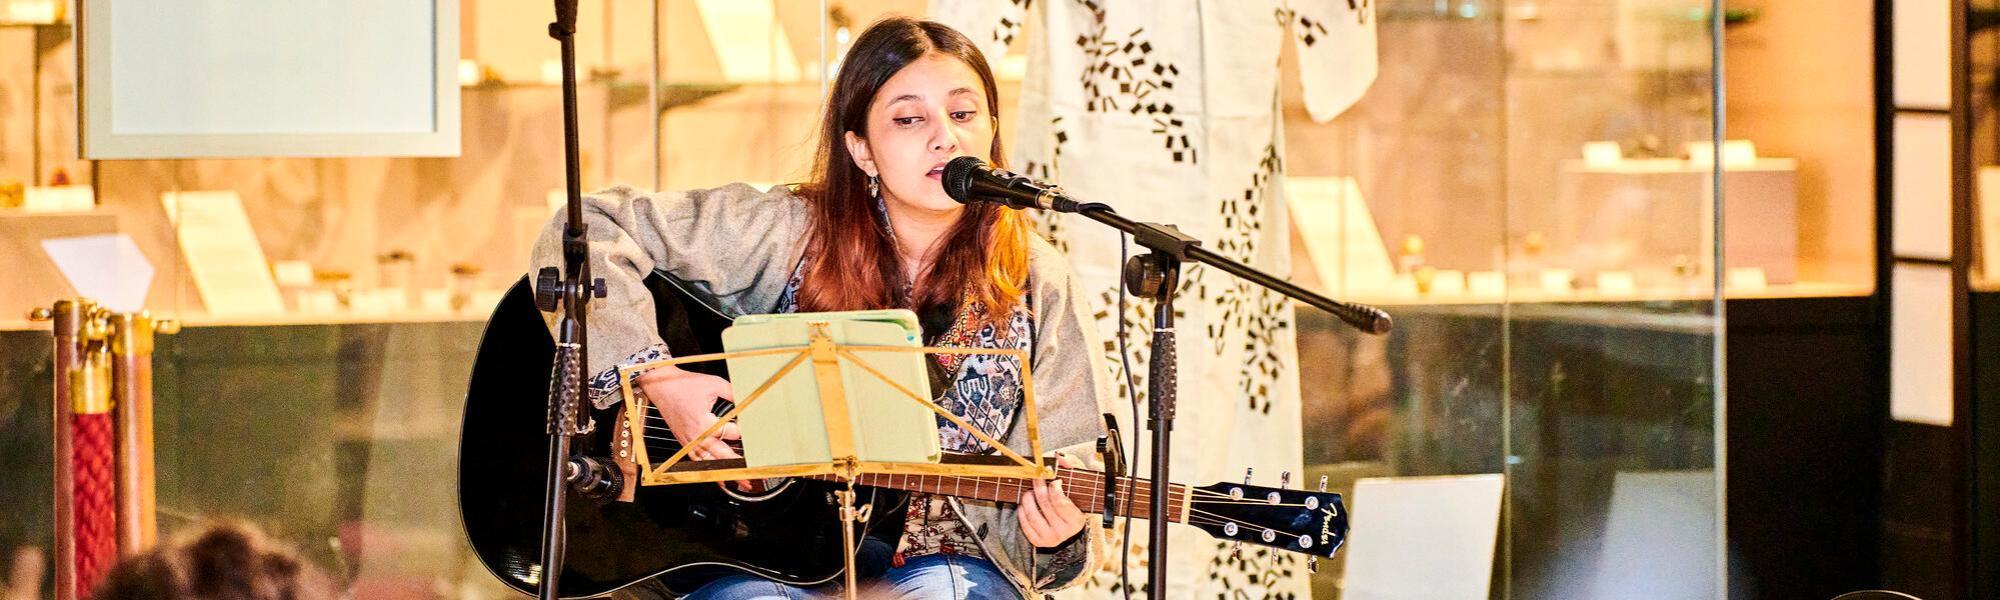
(932, 111)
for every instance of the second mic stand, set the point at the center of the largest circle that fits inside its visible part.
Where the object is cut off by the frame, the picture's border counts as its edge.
(1156, 275)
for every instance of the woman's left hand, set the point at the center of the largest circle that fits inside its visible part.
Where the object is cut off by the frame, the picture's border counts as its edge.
(1047, 515)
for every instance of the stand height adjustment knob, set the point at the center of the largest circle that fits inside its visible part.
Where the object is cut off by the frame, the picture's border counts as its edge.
(548, 289)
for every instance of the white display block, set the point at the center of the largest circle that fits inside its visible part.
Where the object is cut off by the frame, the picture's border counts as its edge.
(59, 198)
(1558, 282)
(293, 273)
(1617, 283)
(434, 301)
(319, 302)
(1602, 154)
(1427, 538)
(1448, 282)
(1745, 279)
(1489, 284)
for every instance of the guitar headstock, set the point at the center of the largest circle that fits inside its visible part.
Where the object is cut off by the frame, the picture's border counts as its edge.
(1301, 521)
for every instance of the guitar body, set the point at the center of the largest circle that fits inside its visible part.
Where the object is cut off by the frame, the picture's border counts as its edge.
(689, 534)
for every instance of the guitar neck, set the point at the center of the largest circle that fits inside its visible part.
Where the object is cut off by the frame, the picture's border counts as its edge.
(1084, 487)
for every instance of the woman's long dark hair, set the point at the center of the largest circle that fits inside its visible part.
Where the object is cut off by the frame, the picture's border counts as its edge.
(854, 261)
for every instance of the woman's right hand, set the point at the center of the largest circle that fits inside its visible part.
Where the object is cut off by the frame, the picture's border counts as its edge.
(686, 400)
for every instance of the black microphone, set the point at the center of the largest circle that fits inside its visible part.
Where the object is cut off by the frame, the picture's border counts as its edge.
(968, 179)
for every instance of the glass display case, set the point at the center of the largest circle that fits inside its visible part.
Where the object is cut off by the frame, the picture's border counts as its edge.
(1536, 186)
(1528, 187)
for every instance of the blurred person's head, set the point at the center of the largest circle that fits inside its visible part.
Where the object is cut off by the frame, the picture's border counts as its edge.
(229, 561)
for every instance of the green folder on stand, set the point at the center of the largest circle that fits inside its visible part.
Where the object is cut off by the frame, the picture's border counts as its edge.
(787, 426)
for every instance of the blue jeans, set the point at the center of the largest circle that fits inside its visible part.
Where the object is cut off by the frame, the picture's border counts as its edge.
(932, 577)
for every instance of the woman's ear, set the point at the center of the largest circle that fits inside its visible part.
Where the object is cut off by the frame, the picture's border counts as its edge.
(858, 148)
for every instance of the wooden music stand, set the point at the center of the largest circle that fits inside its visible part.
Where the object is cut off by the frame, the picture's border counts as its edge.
(826, 356)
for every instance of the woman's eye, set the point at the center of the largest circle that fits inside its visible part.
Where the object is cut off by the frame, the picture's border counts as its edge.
(907, 121)
(963, 115)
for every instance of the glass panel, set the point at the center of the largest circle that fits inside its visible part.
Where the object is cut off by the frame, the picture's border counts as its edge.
(1612, 393)
(1552, 250)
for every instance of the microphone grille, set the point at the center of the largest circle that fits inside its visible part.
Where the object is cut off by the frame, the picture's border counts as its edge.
(958, 177)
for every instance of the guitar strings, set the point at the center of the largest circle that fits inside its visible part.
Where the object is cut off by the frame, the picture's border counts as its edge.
(1132, 485)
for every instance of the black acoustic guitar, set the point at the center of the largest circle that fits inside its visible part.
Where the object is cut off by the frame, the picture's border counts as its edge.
(693, 533)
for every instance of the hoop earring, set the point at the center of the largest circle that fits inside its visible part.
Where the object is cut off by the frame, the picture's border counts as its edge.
(874, 186)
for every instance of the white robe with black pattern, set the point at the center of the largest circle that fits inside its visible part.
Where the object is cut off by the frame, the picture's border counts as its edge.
(1168, 110)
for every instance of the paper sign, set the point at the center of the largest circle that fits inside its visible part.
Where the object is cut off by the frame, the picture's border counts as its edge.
(1339, 234)
(222, 253)
(748, 41)
(108, 268)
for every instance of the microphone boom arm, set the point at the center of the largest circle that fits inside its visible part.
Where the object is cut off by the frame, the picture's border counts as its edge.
(1169, 240)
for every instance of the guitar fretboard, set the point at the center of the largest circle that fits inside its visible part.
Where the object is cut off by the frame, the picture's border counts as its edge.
(1084, 487)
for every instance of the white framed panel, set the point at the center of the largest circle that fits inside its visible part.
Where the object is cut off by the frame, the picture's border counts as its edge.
(217, 79)
(1920, 344)
(1922, 47)
(1921, 191)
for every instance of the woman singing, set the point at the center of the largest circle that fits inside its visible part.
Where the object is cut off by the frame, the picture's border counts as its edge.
(873, 228)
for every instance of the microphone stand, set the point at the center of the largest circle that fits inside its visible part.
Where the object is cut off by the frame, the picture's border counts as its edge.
(1156, 275)
(570, 291)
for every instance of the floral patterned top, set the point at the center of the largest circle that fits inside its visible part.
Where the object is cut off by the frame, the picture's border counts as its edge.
(982, 389)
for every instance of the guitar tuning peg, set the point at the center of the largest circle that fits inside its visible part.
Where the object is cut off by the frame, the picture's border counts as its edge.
(1284, 479)
(1236, 549)
(1247, 471)
(1322, 483)
(1312, 564)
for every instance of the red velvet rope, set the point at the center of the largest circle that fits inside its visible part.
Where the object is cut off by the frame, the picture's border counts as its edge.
(96, 518)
